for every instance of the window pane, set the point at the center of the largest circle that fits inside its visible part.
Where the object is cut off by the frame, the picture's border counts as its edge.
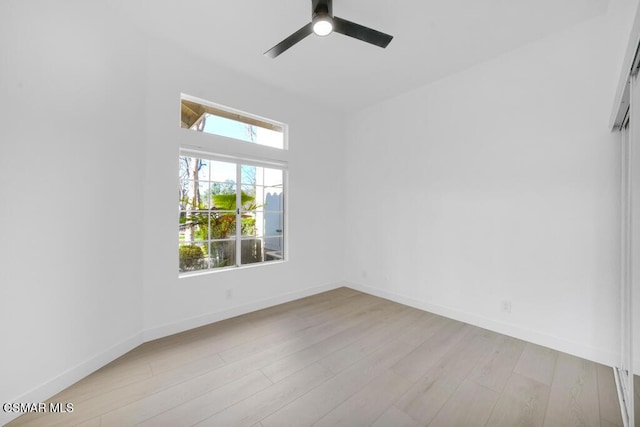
(243, 131)
(223, 172)
(273, 199)
(192, 256)
(193, 226)
(248, 174)
(193, 194)
(273, 223)
(249, 198)
(267, 177)
(253, 223)
(228, 190)
(223, 197)
(273, 248)
(223, 253)
(251, 250)
(230, 124)
(273, 243)
(223, 225)
(193, 168)
(182, 227)
(272, 178)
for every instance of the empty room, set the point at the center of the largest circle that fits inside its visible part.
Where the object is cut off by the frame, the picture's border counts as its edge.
(415, 213)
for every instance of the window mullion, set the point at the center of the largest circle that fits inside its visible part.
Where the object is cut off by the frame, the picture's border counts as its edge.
(238, 214)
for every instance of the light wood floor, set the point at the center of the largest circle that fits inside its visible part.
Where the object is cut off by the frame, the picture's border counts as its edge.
(340, 358)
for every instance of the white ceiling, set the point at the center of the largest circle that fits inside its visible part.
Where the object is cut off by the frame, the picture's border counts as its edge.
(432, 39)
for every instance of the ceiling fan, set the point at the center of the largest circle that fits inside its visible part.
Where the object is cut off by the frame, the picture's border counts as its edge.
(324, 23)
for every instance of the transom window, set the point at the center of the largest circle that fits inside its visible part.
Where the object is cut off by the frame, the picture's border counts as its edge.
(214, 120)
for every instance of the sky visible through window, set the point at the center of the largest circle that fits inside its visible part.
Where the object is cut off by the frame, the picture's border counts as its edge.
(243, 131)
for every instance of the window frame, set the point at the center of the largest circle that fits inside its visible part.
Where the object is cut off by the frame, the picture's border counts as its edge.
(239, 116)
(215, 147)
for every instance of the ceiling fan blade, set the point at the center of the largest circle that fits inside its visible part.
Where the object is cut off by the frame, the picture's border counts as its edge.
(360, 32)
(290, 41)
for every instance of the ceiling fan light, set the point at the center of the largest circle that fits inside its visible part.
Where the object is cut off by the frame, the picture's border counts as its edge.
(322, 25)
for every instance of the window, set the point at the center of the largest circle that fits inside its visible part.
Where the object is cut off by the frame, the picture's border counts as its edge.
(231, 209)
(222, 203)
(218, 121)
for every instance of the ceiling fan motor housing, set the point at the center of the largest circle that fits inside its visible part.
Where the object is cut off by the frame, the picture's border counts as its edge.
(321, 8)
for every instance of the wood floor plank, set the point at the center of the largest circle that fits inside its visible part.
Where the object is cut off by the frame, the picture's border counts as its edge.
(296, 361)
(192, 410)
(470, 406)
(315, 299)
(93, 422)
(309, 408)
(608, 396)
(258, 344)
(494, 370)
(334, 305)
(427, 396)
(116, 374)
(523, 403)
(355, 312)
(117, 397)
(364, 407)
(394, 417)
(425, 328)
(257, 406)
(260, 318)
(537, 363)
(359, 302)
(370, 341)
(573, 400)
(284, 367)
(223, 334)
(313, 303)
(417, 363)
(291, 307)
(224, 341)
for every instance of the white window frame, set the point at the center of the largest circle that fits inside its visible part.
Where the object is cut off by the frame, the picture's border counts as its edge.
(220, 148)
(233, 111)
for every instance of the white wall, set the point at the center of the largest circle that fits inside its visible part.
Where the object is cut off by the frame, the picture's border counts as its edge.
(71, 100)
(499, 183)
(315, 215)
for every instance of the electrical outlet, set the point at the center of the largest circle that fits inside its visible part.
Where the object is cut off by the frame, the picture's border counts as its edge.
(229, 294)
(506, 306)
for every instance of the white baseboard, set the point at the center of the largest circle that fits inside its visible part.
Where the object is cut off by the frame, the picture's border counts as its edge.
(44, 391)
(216, 316)
(603, 356)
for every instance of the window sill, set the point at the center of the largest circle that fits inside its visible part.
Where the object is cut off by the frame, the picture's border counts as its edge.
(227, 269)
